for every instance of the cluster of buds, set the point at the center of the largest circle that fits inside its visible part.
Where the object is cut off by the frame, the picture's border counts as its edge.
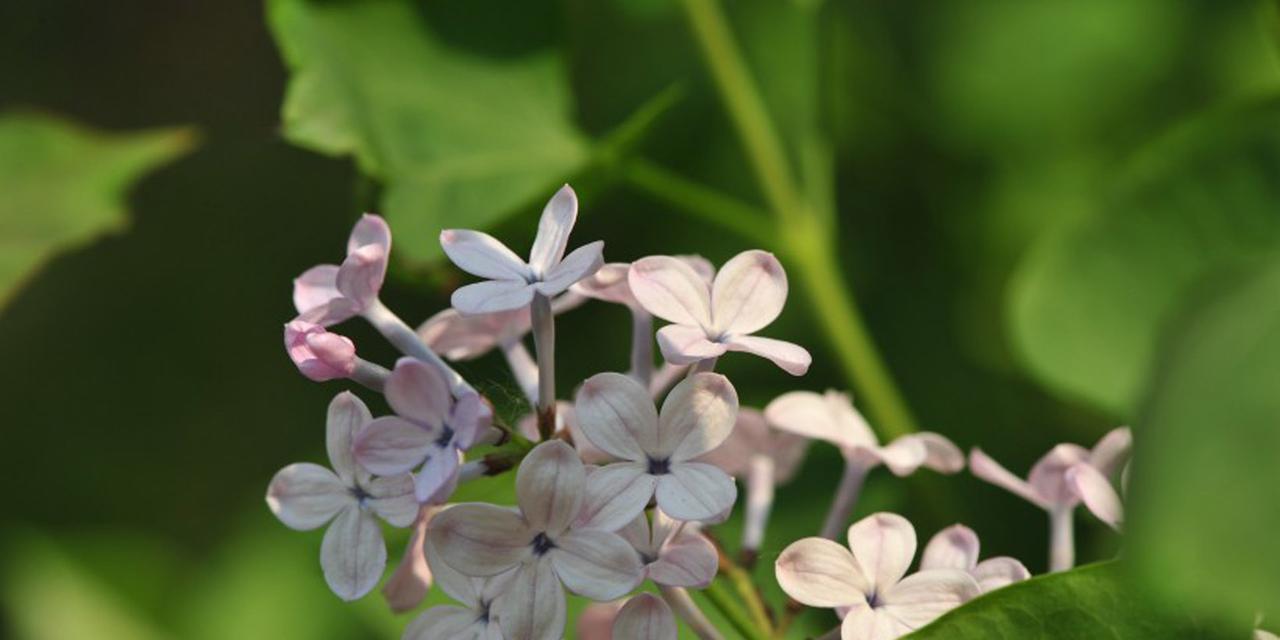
(620, 488)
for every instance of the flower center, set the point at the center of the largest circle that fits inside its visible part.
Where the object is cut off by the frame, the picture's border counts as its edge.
(360, 494)
(658, 467)
(446, 437)
(873, 600)
(483, 617)
(541, 544)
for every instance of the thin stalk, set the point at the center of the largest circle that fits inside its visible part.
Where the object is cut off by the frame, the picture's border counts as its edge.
(688, 610)
(1062, 545)
(641, 346)
(544, 343)
(760, 477)
(845, 500)
(700, 200)
(706, 365)
(369, 375)
(523, 368)
(407, 341)
(720, 598)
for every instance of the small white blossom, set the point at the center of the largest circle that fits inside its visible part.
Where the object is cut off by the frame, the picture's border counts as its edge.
(674, 553)
(957, 547)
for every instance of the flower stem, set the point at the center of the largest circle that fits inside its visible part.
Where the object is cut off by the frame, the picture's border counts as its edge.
(407, 341)
(706, 365)
(688, 610)
(641, 346)
(760, 477)
(725, 604)
(370, 375)
(544, 343)
(523, 368)
(845, 500)
(1062, 546)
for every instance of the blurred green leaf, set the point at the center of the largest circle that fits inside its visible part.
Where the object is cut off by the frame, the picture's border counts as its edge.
(1088, 303)
(64, 185)
(1206, 492)
(458, 139)
(1087, 603)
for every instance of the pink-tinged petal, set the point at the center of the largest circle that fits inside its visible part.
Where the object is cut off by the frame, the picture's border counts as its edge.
(481, 540)
(685, 344)
(550, 486)
(1097, 493)
(701, 266)
(750, 436)
(554, 227)
(695, 491)
(596, 621)
(391, 445)
(615, 494)
(304, 495)
(636, 533)
(903, 456)
(955, 547)
(1048, 478)
(470, 418)
(689, 560)
(318, 354)
(352, 554)
(982, 466)
(346, 417)
(445, 621)
(645, 617)
(821, 573)
(696, 417)
(315, 287)
(480, 254)
(1001, 571)
(609, 284)
(596, 564)
(492, 296)
(1111, 451)
(419, 392)
(617, 415)
(391, 497)
(437, 478)
(579, 264)
(534, 607)
(749, 292)
(370, 229)
(361, 275)
(810, 415)
(920, 598)
(672, 290)
(789, 357)
(459, 337)
(884, 545)
(664, 528)
(464, 589)
(411, 579)
(788, 451)
(864, 623)
(941, 454)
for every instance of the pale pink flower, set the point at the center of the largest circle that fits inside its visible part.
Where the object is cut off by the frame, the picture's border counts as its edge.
(1095, 491)
(867, 579)
(542, 543)
(328, 294)
(674, 553)
(475, 617)
(610, 282)
(430, 431)
(319, 354)
(511, 282)
(645, 617)
(747, 294)
(305, 496)
(957, 547)
(1046, 486)
(657, 450)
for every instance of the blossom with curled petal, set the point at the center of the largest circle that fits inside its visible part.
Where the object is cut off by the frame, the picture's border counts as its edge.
(832, 417)
(645, 617)
(328, 294)
(1095, 491)
(475, 617)
(957, 546)
(511, 282)
(707, 320)
(319, 354)
(305, 496)
(674, 553)
(1047, 486)
(430, 430)
(657, 449)
(867, 579)
(542, 542)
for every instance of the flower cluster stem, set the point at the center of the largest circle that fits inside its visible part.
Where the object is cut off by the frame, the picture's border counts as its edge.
(845, 500)
(544, 343)
(407, 341)
(523, 368)
(1062, 545)
(641, 346)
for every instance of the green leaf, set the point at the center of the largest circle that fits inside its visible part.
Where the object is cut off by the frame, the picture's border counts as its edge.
(459, 140)
(1206, 489)
(1090, 300)
(64, 185)
(1093, 602)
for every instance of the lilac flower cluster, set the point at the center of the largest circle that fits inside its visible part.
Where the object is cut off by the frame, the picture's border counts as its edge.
(619, 488)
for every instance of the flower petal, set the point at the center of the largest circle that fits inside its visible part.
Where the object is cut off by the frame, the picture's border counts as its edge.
(419, 392)
(534, 607)
(554, 227)
(864, 623)
(1111, 451)
(481, 254)
(750, 436)
(615, 495)
(411, 579)
(352, 554)
(361, 275)
(304, 495)
(749, 292)
(884, 545)
(392, 445)
(597, 564)
(941, 454)
(464, 337)
(391, 497)
(645, 617)
(1048, 478)
(462, 588)
(920, 598)
(695, 491)
(347, 416)
(636, 533)
(470, 418)
(318, 354)
(821, 573)
(579, 264)
(608, 283)
(1001, 571)
(672, 290)
(789, 357)
(685, 344)
(480, 540)
(689, 560)
(617, 415)
(596, 621)
(1097, 493)
(492, 296)
(445, 621)
(550, 486)
(370, 229)
(955, 547)
(696, 417)
(982, 466)
(813, 415)
(903, 456)
(315, 287)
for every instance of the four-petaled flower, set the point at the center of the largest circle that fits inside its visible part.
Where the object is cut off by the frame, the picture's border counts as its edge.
(867, 579)
(541, 542)
(305, 496)
(480, 598)
(657, 450)
(747, 294)
(957, 546)
(328, 294)
(1047, 486)
(431, 428)
(674, 553)
(511, 282)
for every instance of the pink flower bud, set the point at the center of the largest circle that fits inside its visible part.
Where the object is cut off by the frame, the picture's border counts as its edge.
(319, 355)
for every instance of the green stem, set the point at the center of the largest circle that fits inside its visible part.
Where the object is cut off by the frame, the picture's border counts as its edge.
(697, 199)
(721, 599)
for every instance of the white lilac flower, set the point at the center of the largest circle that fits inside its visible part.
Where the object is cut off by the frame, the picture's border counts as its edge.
(645, 617)
(867, 579)
(306, 496)
(475, 617)
(511, 282)
(430, 431)
(541, 542)
(657, 450)
(957, 547)
(328, 294)
(674, 553)
(707, 320)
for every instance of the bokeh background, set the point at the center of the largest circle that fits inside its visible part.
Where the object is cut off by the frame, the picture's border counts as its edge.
(1025, 195)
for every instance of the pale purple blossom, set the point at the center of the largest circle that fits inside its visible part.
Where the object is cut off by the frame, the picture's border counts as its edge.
(475, 617)
(645, 617)
(957, 547)
(675, 554)
(328, 294)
